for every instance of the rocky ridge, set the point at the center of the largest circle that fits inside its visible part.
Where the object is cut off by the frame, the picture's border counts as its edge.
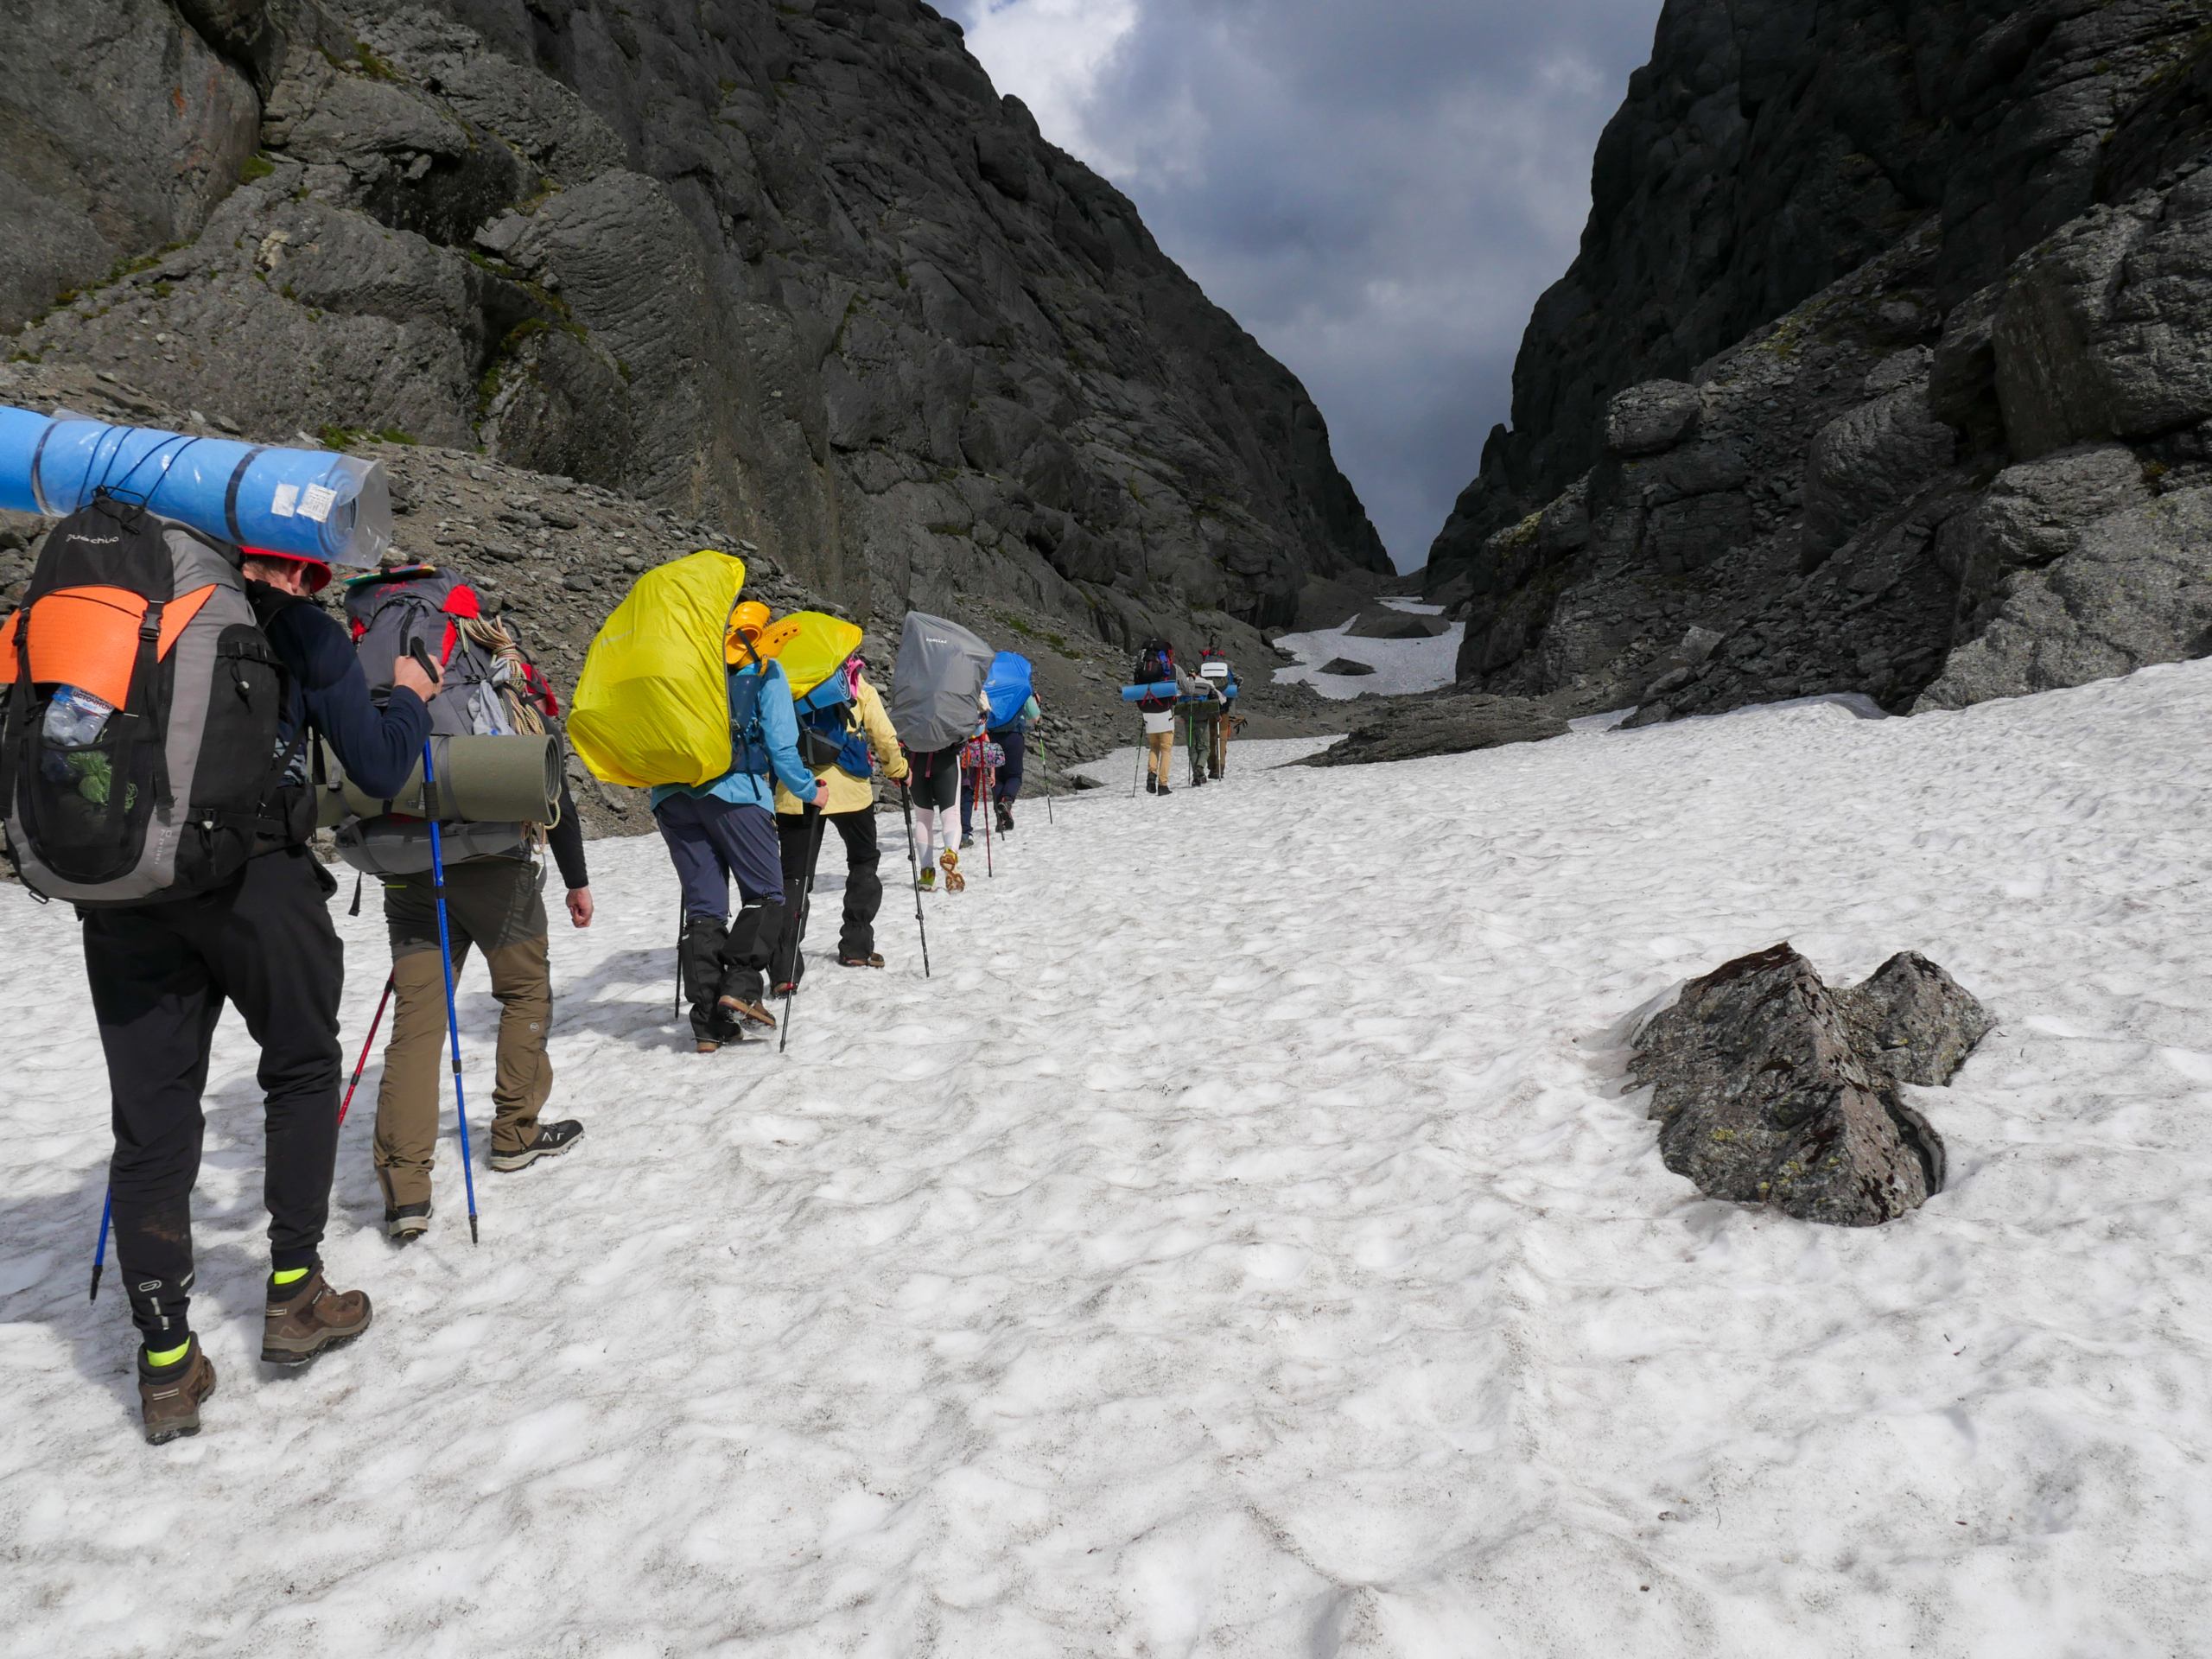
(791, 269)
(1883, 370)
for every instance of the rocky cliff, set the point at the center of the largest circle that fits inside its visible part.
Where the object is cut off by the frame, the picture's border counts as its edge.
(1883, 368)
(791, 269)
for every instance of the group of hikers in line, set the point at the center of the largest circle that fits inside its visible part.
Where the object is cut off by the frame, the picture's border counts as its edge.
(226, 683)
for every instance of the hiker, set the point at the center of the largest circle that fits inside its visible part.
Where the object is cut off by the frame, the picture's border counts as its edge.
(937, 704)
(725, 830)
(262, 939)
(1156, 666)
(849, 711)
(1201, 707)
(1216, 671)
(494, 901)
(1010, 703)
(936, 779)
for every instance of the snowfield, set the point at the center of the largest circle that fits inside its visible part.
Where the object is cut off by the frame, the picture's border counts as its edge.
(1401, 666)
(1245, 1244)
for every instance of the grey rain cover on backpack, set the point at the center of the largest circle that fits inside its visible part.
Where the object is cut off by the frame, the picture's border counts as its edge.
(937, 683)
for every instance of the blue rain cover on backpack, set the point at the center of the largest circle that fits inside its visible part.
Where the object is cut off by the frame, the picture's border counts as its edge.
(1008, 688)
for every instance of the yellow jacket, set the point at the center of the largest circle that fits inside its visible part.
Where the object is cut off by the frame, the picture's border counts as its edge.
(846, 792)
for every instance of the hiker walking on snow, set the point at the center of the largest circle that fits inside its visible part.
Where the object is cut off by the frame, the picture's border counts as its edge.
(937, 704)
(261, 938)
(492, 902)
(725, 830)
(1156, 667)
(1201, 707)
(937, 781)
(1009, 704)
(860, 719)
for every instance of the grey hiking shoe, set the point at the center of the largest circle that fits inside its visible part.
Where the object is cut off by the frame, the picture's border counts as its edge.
(553, 1139)
(306, 1319)
(170, 1397)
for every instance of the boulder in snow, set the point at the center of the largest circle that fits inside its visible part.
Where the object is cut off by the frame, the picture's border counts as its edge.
(1345, 665)
(1770, 1088)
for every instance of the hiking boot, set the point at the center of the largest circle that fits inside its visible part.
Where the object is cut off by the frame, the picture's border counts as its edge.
(1164, 790)
(928, 882)
(307, 1318)
(744, 1010)
(553, 1139)
(1006, 819)
(169, 1396)
(1152, 786)
(709, 1046)
(408, 1222)
(967, 842)
(874, 959)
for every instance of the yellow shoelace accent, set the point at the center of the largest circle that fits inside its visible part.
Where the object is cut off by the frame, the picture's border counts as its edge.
(171, 1357)
(289, 1277)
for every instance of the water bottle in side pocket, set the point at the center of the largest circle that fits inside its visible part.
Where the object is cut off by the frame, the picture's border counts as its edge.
(75, 718)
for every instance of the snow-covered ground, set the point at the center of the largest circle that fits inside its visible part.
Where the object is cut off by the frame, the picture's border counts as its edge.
(1245, 1244)
(1400, 665)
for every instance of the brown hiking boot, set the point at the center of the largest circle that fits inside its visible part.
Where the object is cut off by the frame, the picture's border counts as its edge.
(307, 1318)
(169, 1398)
(744, 1010)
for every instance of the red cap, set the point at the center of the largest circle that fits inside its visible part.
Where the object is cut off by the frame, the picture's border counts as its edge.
(318, 571)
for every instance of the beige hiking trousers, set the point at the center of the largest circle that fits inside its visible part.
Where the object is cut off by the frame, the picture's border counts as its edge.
(492, 904)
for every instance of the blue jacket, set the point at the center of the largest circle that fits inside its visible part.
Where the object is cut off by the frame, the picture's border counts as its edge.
(779, 731)
(379, 747)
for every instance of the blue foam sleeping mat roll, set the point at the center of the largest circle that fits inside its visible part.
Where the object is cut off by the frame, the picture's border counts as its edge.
(1157, 689)
(307, 503)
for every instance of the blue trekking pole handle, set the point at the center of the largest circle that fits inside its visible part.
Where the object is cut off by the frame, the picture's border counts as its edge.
(99, 1251)
(445, 951)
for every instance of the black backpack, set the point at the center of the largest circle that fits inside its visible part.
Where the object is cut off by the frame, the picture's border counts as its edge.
(1155, 666)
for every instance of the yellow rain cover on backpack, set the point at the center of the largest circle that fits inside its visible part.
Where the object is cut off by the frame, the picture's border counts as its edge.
(811, 645)
(652, 703)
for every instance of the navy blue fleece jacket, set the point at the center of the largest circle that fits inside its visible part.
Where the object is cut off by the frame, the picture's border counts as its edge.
(379, 748)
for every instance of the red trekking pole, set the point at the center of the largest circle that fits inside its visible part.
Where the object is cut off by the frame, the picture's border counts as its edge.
(362, 1065)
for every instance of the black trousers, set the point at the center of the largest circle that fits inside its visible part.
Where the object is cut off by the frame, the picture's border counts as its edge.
(160, 976)
(863, 884)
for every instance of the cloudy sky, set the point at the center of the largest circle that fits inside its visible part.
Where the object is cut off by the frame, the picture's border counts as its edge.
(1378, 190)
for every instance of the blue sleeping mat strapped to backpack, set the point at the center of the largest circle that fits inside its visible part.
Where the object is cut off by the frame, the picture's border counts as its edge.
(308, 503)
(1138, 693)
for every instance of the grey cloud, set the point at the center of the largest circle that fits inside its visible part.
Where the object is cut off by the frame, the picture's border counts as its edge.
(1378, 190)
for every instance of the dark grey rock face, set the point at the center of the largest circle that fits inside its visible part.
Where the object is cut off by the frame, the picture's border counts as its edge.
(120, 130)
(791, 268)
(1451, 721)
(1852, 274)
(1770, 1088)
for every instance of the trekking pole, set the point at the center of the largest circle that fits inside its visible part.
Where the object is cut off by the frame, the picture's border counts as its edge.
(452, 1015)
(1046, 764)
(907, 807)
(683, 921)
(986, 785)
(99, 1251)
(362, 1065)
(805, 904)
